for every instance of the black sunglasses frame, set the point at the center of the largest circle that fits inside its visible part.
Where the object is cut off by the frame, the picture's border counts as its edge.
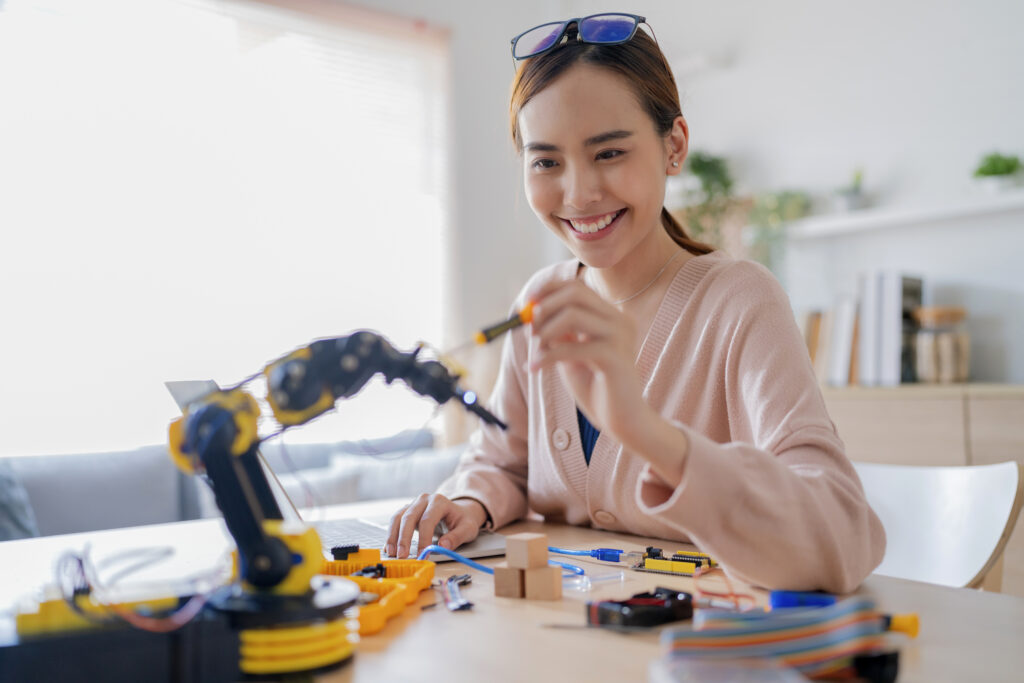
(637, 20)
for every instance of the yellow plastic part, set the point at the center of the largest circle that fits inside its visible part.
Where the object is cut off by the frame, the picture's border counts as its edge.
(416, 573)
(392, 599)
(246, 413)
(364, 557)
(305, 543)
(243, 409)
(290, 418)
(295, 649)
(402, 583)
(176, 445)
(674, 566)
(905, 623)
(53, 616)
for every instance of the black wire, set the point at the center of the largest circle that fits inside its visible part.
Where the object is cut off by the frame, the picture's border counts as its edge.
(71, 566)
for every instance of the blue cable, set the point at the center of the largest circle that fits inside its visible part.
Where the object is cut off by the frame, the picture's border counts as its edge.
(436, 549)
(431, 549)
(603, 554)
(568, 567)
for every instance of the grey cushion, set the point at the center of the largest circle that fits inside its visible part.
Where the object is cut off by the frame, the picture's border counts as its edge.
(16, 517)
(87, 492)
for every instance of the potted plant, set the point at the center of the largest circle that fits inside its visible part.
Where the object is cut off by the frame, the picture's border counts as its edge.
(768, 218)
(851, 197)
(709, 204)
(996, 172)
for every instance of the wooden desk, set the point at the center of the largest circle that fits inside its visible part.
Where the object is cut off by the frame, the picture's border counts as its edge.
(965, 635)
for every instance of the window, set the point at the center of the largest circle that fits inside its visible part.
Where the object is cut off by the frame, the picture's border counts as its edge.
(190, 189)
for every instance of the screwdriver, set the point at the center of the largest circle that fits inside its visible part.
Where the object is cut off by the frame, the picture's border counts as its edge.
(489, 334)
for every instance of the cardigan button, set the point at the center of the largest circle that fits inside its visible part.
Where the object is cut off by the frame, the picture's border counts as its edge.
(604, 518)
(560, 439)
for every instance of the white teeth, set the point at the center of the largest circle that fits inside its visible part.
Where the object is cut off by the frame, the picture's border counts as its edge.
(600, 224)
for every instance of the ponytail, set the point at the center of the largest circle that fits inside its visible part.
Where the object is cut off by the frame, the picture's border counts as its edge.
(679, 236)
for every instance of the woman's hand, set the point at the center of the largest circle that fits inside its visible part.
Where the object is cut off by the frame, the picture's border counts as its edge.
(464, 518)
(592, 344)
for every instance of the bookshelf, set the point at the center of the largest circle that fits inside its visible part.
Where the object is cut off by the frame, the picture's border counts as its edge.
(966, 252)
(894, 217)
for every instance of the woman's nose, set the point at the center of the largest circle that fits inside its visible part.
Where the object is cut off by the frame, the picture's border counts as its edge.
(582, 187)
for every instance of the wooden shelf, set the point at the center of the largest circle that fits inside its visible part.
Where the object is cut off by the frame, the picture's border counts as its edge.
(926, 391)
(815, 227)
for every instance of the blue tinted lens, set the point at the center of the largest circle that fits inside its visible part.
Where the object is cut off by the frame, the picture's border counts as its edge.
(537, 40)
(607, 28)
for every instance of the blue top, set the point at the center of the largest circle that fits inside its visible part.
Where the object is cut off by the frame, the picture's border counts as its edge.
(588, 434)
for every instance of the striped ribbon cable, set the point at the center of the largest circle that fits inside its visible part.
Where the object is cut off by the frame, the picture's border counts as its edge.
(815, 641)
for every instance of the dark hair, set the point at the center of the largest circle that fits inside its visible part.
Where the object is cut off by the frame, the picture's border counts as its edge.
(643, 66)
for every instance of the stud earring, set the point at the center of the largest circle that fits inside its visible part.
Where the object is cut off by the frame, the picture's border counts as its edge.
(675, 164)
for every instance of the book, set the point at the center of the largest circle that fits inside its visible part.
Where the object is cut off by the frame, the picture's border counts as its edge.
(841, 344)
(855, 351)
(821, 353)
(812, 332)
(868, 293)
(899, 296)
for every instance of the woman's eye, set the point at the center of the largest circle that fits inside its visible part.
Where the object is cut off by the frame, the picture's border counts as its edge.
(543, 164)
(609, 153)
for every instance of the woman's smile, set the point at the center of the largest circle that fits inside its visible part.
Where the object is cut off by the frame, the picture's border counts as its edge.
(594, 227)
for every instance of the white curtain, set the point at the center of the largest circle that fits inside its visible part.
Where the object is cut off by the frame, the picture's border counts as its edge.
(189, 189)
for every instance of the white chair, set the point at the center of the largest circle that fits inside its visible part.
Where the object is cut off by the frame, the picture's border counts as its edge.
(945, 525)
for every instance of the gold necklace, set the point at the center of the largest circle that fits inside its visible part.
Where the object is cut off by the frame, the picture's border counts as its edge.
(645, 287)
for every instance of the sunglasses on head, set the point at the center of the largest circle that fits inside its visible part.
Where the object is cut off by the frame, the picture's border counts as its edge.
(600, 29)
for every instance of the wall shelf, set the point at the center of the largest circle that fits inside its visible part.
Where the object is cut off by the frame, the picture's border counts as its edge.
(815, 227)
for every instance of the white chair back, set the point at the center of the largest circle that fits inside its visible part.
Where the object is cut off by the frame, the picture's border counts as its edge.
(944, 525)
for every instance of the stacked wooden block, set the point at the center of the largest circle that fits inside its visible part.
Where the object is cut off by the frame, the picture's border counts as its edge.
(526, 572)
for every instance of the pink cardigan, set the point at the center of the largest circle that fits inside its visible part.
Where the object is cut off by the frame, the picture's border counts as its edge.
(767, 489)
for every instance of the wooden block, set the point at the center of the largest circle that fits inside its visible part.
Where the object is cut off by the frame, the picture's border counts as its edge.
(526, 551)
(508, 581)
(543, 583)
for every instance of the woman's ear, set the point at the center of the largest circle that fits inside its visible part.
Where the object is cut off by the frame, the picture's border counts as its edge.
(677, 145)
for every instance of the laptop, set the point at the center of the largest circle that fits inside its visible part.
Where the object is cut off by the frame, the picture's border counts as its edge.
(366, 532)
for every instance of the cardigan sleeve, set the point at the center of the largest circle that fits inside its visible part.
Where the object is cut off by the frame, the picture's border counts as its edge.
(493, 470)
(781, 505)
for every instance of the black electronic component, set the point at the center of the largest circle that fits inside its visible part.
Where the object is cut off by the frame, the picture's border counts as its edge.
(374, 571)
(341, 552)
(643, 610)
(882, 667)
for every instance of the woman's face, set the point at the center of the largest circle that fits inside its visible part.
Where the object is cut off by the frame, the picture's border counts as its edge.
(594, 165)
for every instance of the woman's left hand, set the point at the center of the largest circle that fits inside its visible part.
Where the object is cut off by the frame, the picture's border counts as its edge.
(592, 344)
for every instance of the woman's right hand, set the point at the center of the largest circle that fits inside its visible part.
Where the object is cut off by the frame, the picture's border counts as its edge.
(464, 518)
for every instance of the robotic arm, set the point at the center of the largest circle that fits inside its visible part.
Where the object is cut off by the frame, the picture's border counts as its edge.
(306, 383)
(218, 436)
(282, 617)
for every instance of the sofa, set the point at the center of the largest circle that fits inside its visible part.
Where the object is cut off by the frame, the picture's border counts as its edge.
(93, 491)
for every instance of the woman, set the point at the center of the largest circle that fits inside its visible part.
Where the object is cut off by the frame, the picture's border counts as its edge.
(663, 388)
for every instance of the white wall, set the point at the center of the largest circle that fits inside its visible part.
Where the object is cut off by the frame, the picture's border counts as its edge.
(797, 94)
(496, 242)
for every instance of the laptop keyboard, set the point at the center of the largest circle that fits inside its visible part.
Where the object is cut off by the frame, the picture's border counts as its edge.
(354, 532)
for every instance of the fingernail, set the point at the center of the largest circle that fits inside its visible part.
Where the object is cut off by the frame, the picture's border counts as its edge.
(402, 550)
(445, 543)
(389, 550)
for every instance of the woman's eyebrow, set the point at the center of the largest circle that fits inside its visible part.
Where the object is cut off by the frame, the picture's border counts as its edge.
(607, 137)
(589, 142)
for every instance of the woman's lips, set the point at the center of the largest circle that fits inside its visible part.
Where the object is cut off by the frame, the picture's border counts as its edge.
(599, 226)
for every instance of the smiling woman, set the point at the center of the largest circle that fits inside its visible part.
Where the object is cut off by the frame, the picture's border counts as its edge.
(192, 188)
(662, 388)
